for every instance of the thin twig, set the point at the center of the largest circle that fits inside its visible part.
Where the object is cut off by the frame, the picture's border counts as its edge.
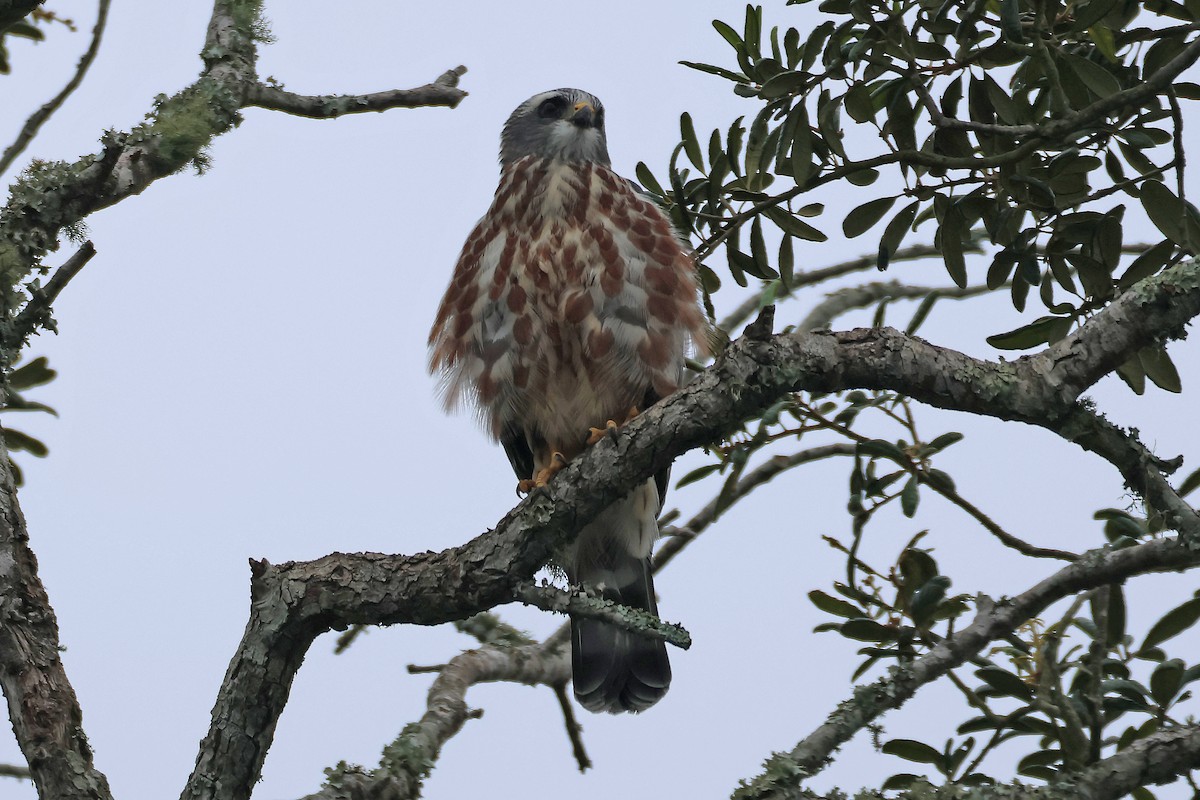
(681, 536)
(442, 92)
(574, 729)
(32, 125)
(1007, 539)
(36, 312)
(13, 771)
(747, 309)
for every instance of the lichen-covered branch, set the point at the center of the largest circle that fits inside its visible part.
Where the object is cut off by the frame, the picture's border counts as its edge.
(442, 92)
(409, 759)
(36, 120)
(784, 772)
(551, 598)
(36, 312)
(51, 197)
(1156, 760)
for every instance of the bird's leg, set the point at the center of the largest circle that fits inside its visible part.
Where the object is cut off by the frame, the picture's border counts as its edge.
(543, 476)
(610, 427)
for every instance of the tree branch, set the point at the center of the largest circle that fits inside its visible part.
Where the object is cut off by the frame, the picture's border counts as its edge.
(442, 92)
(855, 297)
(785, 771)
(749, 307)
(409, 759)
(36, 312)
(32, 125)
(295, 602)
(13, 771)
(45, 713)
(551, 598)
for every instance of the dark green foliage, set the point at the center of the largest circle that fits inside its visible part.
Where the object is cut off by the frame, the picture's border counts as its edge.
(26, 376)
(1030, 131)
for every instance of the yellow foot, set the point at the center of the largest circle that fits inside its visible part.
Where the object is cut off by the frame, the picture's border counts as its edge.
(543, 476)
(610, 427)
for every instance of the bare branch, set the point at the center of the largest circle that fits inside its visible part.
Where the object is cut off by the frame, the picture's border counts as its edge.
(32, 125)
(574, 729)
(747, 309)
(856, 297)
(679, 537)
(577, 604)
(13, 771)
(1007, 539)
(442, 92)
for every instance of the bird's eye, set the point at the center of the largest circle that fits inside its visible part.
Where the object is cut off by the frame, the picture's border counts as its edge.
(551, 108)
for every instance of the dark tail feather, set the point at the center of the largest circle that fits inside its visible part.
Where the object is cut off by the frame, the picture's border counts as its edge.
(614, 669)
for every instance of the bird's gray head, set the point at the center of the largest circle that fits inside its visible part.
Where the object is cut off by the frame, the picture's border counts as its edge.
(566, 124)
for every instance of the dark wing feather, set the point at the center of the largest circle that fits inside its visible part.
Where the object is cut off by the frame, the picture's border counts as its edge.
(516, 446)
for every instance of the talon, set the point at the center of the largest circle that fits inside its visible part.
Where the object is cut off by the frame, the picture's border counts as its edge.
(596, 434)
(526, 486)
(557, 462)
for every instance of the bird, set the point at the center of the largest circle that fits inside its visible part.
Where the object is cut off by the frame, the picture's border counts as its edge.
(572, 306)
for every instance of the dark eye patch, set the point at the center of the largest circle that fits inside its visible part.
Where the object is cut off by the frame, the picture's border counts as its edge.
(551, 108)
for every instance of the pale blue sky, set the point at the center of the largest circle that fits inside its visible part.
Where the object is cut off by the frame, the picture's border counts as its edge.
(242, 375)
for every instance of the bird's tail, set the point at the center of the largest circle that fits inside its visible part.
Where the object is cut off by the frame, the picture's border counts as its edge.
(616, 670)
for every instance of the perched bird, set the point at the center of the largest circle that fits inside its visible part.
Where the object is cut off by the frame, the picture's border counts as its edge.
(572, 305)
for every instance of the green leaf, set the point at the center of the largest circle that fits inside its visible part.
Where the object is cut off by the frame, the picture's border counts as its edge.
(859, 104)
(1189, 484)
(1096, 78)
(1133, 374)
(1147, 264)
(782, 84)
(912, 750)
(691, 144)
(1033, 764)
(802, 147)
(1158, 367)
(950, 238)
(730, 35)
(1175, 622)
(910, 497)
(926, 600)
(697, 474)
(720, 71)
(787, 262)
(895, 231)
(1166, 681)
(15, 440)
(922, 312)
(647, 180)
(1041, 331)
(883, 448)
(793, 226)
(35, 373)
(866, 630)
(942, 442)
(863, 218)
(1177, 221)
(1004, 683)
(834, 605)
